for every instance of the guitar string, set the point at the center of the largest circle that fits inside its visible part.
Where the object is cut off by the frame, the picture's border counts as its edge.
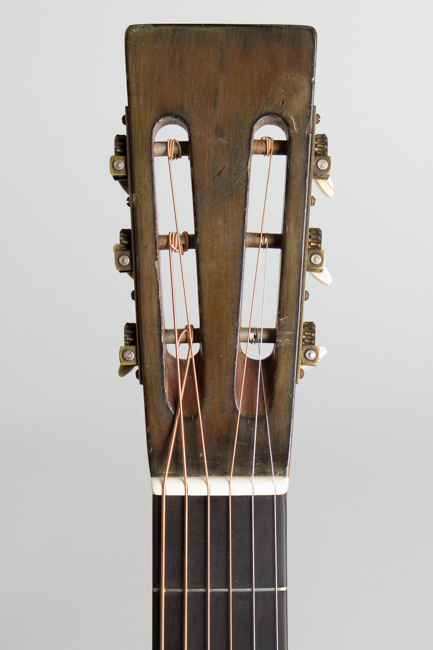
(164, 494)
(275, 515)
(271, 458)
(182, 431)
(256, 421)
(268, 153)
(171, 155)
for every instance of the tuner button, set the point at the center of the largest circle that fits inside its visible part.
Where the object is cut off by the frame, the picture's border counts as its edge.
(326, 186)
(322, 276)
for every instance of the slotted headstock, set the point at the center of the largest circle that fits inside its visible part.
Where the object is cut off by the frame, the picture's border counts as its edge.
(221, 83)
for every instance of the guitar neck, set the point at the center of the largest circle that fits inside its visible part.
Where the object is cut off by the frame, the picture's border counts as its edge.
(258, 542)
(219, 418)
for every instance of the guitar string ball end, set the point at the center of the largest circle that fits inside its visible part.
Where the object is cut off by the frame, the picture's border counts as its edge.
(128, 355)
(314, 259)
(322, 164)
(310, 355)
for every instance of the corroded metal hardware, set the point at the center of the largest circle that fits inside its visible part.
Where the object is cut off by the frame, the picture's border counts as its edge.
(258, 147)
(123, 251)
(310, 351)
(118, 162)
(128, 355)
(118, 168)
(128, 351)
(316, 256)
(322, 164)
(269, 335)
(252, 240)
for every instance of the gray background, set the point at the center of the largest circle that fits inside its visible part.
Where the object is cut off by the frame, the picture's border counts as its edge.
(75, 496)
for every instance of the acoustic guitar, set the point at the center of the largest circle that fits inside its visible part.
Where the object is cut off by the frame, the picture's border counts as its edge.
(219, 386)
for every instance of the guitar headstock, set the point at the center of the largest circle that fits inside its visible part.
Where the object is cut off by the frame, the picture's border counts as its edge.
(221, 84)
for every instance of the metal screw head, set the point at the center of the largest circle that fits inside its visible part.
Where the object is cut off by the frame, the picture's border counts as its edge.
(306, 295)
(128, 355)
(310, 355)
(118, 165)
(322, 164)
(313, 201)
(124, 260)
(317, 118)
(316, 259)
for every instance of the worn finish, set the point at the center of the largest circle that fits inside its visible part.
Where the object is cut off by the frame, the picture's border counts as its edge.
(221, 83)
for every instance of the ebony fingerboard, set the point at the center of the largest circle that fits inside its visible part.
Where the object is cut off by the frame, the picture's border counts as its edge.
(265, 592)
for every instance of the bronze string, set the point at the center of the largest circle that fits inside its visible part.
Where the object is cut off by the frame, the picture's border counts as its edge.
(268, 153)
(176, 246)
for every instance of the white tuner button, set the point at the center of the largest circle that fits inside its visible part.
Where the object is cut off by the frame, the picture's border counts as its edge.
(322, 276)
(326, 186)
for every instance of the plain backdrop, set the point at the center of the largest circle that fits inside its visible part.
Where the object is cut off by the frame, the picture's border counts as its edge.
(75, 496)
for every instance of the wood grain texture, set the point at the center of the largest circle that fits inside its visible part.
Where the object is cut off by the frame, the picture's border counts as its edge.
(221, 83)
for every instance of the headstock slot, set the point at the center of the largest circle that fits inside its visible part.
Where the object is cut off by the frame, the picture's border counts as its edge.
(270, 254)
(167, 190)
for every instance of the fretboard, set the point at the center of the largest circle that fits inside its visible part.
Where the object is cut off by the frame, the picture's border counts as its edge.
(259, 601)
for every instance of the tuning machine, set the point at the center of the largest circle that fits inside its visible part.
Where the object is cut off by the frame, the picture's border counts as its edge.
(123, 252)
(128, 351)
(322, 165)
(118, 162)
(316, 257)
(311, 353)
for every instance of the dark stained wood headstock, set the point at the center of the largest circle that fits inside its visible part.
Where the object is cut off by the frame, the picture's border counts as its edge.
(221, 83)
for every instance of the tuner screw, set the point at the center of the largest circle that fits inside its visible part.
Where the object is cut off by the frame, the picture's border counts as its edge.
(310, 355)
(128, 355)
(119, 165)
(313, 201)
(124, 260)
(322, 164)
(314, 259)
(317, 118)
(124, 119)
(306, 295)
